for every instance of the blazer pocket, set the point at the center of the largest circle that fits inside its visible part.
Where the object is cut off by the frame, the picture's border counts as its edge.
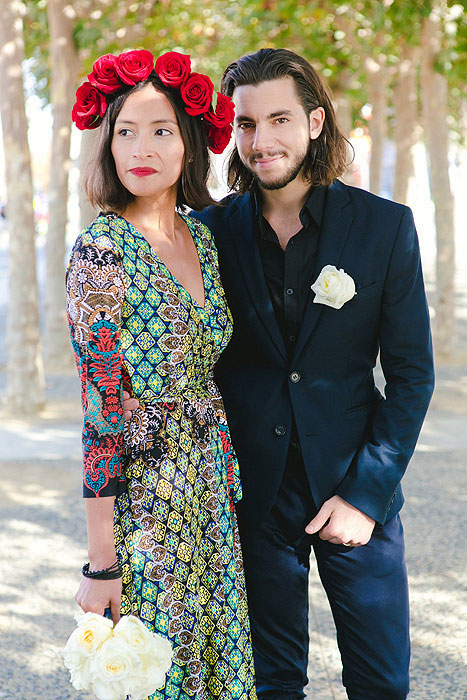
(365, 292)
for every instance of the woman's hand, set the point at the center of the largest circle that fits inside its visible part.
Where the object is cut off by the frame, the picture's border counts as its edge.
(95, 596)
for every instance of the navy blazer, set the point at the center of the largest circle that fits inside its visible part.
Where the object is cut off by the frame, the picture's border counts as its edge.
(355, 442)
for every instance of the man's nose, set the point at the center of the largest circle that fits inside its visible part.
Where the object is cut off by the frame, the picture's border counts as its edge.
(262, 139)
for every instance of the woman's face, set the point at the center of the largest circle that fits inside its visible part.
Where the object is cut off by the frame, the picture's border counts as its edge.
(147, 146)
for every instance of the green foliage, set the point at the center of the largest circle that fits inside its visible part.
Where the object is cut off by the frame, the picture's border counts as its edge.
(36, 42)
(336, 37)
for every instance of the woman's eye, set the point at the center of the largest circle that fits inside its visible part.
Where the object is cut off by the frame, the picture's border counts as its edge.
(124, 132)
(163, 132)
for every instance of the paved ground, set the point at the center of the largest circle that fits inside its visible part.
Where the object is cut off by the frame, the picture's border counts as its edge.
(43, 547)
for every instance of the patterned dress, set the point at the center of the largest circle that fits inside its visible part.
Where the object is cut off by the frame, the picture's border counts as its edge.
(172, 468)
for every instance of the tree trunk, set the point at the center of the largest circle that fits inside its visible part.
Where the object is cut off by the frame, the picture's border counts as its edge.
(405, 110)
(64, 62)
(87, 213)
(343, 112)
(25, 390)
(434, 104)
(378, 82)
(463, 112)
(342, 103)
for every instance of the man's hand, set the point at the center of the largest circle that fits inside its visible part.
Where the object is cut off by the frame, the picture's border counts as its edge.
(341, 523)
(129, 405)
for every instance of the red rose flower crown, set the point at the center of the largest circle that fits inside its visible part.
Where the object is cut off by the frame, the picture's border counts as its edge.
(113, 74)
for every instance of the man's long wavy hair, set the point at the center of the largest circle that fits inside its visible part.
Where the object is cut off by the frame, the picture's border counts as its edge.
(329, 155)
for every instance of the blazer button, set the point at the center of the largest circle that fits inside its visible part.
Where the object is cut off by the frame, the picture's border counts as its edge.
(295, 377)
(280, 429)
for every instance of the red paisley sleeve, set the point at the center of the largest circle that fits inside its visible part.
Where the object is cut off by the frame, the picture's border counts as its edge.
(95, 290)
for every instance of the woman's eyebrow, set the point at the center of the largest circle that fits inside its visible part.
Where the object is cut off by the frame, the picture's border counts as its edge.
(155, 121)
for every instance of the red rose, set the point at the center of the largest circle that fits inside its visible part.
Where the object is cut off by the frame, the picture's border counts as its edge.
(197, 93)
(104, 76)
(218, 138)
(173, 68)
(89, 107)
(224, 114)
(134, 66)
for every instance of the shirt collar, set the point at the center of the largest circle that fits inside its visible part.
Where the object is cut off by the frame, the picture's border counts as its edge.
(313, 208)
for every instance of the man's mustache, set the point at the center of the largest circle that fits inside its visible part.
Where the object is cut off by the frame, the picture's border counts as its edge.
(263, 154)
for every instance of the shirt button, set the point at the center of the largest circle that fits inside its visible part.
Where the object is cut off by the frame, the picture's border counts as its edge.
(280, 429)
(289, 291)
(292, 338)
(295, 377)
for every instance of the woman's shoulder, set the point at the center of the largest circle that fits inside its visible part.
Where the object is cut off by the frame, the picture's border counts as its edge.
(104, 234)
(201, 229)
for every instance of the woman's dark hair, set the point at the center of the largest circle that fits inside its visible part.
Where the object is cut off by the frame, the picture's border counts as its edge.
(328, 155)
(101, 182)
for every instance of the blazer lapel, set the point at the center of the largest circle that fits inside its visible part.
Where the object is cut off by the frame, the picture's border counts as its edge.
(249, 262)
(337, 220)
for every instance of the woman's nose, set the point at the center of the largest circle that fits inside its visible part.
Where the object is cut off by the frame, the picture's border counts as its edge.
(144, 147)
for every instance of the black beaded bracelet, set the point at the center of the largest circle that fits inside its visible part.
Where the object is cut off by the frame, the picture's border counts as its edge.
(108, 574)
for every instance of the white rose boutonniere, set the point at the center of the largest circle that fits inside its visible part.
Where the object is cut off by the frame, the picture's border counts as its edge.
(333, 287)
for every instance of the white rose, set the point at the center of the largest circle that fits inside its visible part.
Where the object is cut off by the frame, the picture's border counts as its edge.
(156, 663)
(161, 650)
(333, 287)
(108, 691)
(80, 670)
(134, 632)
(92, 630)
(83, 642)
(115, 668)
(154, 651)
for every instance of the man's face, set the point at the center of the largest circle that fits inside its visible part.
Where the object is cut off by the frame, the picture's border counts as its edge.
(272, 130)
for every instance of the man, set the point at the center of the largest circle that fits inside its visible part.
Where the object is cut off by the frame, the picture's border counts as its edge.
(320, 277)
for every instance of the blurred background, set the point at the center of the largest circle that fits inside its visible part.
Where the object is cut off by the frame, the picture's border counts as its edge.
(397, 71)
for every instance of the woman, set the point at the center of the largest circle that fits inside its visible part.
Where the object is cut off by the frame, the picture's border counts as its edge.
(147, 313)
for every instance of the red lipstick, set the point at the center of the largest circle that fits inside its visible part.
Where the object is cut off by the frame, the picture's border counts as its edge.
(142, 172)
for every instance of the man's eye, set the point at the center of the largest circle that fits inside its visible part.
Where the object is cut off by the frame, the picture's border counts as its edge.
(282, 120)
(245, 125)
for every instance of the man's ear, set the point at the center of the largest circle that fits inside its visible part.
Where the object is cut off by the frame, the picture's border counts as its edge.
(317, 117)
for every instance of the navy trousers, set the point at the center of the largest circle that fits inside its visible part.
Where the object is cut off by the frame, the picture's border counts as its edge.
(366, 588)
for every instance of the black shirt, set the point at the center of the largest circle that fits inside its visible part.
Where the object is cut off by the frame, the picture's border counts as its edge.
(290, 273)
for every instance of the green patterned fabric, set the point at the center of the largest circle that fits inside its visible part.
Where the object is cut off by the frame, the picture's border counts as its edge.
(172, 467)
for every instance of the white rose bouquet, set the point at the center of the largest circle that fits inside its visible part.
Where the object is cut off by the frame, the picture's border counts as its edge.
(125, 661)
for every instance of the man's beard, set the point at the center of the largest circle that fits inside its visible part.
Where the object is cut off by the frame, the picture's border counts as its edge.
(293, 172)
